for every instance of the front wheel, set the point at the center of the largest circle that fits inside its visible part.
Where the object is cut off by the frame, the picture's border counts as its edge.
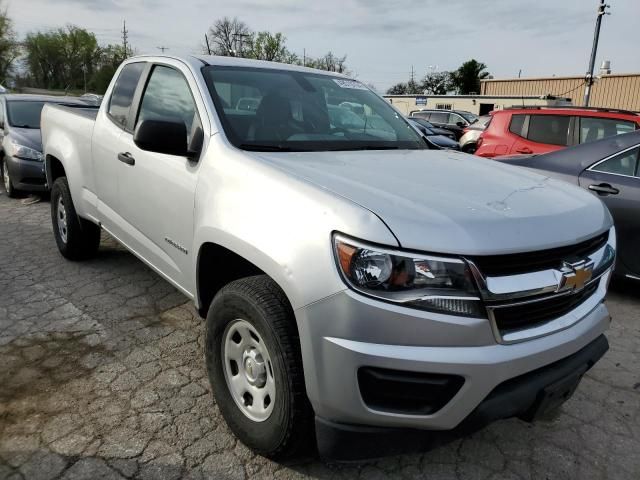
(254, 363)
(77, 238)
(6, 180)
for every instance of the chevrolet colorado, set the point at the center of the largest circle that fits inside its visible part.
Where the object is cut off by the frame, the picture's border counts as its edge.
(354, 283)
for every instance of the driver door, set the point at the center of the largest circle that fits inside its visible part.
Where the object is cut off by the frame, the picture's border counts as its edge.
(158, 190)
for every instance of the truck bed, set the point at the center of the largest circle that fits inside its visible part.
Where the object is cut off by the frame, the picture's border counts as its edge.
(88, 111)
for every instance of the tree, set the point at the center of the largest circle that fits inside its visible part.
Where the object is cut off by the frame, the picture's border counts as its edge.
(329, 62)
(437, 83)
(9, 49)
(109, 60)
(409, 88)
(61, 59)
(271, 47)
(466, 79)
(229, 37)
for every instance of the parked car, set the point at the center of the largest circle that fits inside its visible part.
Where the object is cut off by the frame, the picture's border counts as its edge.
(453, 120)
(470, 135)
(610, 169)
(435, 141)
(353, 285)
(21, 159)
(434, 130)
(545, 129)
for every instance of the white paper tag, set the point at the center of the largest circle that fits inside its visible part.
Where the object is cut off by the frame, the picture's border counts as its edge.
(350, 84)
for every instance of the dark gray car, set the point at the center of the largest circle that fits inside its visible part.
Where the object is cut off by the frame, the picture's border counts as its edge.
(21, 159)
(610, 169)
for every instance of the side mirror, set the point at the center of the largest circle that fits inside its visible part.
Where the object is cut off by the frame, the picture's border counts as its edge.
(461, 124)
(162, 137)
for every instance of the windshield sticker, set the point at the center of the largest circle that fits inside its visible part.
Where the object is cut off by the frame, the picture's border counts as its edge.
(350, 84)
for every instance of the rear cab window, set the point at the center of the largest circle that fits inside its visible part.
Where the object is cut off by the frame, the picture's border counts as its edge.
(123, 92)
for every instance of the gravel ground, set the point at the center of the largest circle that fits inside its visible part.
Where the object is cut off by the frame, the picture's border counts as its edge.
(102, 376)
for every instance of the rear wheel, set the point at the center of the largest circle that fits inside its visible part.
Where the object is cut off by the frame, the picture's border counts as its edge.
(77, 238)
(255, 367)
(6, 180)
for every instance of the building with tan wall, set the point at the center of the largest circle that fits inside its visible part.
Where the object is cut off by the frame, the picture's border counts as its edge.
(609, 91)
(477, 104)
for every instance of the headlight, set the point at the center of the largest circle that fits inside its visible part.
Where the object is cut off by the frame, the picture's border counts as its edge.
(20, 151)
(425, 282)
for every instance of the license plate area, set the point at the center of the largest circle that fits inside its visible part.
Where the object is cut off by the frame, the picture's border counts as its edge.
(554, 395)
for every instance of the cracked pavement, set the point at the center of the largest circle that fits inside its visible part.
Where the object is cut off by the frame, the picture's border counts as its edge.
(102, 376)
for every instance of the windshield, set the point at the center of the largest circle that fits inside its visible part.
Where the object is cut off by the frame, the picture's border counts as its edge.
(267, 110)
(24, 114)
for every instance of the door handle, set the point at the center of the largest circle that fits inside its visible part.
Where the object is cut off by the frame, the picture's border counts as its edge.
(126, 158)
(604, 189)
(524, 150)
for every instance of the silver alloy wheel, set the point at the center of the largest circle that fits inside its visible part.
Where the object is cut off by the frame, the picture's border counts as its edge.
(5, 176)
(61, 216)
(248, 370)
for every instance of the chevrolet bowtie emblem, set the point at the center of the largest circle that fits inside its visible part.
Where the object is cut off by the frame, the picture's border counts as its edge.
(574, 276)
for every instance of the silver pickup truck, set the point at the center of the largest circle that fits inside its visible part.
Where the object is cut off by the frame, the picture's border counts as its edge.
(354, 283)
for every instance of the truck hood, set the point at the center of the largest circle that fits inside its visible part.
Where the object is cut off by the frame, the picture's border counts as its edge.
(450, 202)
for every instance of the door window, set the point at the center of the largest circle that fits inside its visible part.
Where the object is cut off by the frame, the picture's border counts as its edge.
(122, 96)
(168, 98)
(594, 128)
(454, 119)
(625, 163)
(549, 129)
(516, 125)
(439, 117)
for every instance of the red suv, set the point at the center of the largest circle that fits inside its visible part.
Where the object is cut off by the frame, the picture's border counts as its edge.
(544, 129)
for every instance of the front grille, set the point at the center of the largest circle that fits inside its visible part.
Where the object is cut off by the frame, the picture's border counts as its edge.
(530, 315)
(517, 263)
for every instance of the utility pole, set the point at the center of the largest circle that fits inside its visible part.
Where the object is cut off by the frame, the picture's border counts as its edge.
(206, 39)
(304, 57)
(125, 33)
(162, 49)
(602, 7)
(413, 75)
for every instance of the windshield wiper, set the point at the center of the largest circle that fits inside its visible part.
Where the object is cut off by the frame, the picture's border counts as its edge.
(25, 126)
(264, 148)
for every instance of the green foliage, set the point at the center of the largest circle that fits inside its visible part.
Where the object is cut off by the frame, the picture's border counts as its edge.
(268, 46)
(466, 79)
(437, 83)
(9, 49)
(233, 37)
(61, 59)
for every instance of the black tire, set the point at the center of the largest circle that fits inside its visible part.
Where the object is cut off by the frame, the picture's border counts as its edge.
(8, 184)
(288, 431)
(82, 236)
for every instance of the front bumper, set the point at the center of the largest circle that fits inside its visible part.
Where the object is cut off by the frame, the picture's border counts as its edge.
(28, 175)
(523, 396)
(347, 331)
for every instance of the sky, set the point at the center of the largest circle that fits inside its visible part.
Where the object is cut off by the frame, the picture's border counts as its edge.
(383, 39)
